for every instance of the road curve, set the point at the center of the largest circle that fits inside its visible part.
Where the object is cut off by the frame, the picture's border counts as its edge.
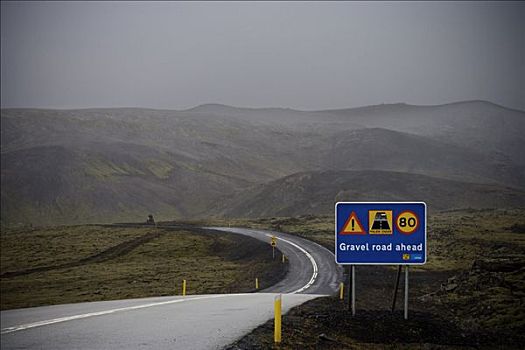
(191, 322)
(312, 267)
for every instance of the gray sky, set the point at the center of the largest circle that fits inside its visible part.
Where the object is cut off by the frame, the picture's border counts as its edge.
(307, 56)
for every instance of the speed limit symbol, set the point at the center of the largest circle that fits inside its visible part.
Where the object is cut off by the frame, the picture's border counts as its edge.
(407, 222)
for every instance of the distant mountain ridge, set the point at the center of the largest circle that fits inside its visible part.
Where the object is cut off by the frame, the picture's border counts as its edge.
(104, 165)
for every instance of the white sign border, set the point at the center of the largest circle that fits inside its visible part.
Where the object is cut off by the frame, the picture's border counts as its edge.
(369, 263)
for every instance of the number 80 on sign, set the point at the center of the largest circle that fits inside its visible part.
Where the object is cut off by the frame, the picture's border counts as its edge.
(407, 222)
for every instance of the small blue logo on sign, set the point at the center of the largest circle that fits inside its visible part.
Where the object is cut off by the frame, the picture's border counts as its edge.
(374, 233)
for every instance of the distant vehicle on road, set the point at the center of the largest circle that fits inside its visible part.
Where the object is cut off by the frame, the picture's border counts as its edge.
(150, 220)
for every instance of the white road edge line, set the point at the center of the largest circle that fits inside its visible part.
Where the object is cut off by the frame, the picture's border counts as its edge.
(309, 256)
(106, 312)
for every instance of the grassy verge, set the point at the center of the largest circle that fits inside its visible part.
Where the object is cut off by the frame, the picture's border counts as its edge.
(91, 263)
(470, 294)
(24, 249)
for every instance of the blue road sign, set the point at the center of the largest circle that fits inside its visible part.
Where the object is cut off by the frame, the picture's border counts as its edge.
(381, 233)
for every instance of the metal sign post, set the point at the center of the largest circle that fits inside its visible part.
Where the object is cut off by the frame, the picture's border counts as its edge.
(406, 292)
(353, 290)
(380, 233)
(349, 289)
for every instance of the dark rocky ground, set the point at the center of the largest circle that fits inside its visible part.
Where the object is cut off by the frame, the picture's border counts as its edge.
(471, 295)
(436, 319)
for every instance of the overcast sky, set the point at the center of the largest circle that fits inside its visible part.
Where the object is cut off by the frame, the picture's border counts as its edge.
(308, 56)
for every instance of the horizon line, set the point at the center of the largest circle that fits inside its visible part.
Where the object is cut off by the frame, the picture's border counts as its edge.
(259, 107)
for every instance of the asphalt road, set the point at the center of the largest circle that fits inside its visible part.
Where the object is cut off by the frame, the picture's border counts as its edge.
(307, 259)
(191, 322)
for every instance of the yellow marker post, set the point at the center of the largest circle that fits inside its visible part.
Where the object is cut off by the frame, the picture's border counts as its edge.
(341, 290)
(277, 319)
(183, 287)
(256, 283)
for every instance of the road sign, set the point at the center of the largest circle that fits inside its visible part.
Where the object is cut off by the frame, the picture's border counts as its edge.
(380, 222)
(274, 241)
(352, 226)
(382, 233)
(407, 222)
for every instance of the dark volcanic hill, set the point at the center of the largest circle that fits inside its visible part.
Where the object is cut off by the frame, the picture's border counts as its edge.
(317, 192)
(93, 165)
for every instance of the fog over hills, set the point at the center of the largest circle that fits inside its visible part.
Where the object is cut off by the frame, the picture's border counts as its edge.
(479, 125)
(106, 165)
(316, 193)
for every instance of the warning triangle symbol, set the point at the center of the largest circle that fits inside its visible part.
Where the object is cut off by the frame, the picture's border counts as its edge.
(352, 226)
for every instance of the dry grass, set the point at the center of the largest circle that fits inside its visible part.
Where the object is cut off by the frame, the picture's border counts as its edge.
(211, 263)
(29, 248)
